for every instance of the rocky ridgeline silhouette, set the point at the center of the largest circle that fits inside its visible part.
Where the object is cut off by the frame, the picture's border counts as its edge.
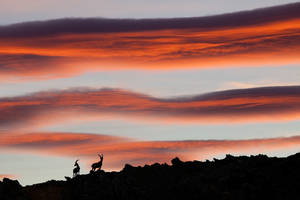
(254, 177)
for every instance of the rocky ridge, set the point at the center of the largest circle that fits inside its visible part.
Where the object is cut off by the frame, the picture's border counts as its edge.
(243, 177)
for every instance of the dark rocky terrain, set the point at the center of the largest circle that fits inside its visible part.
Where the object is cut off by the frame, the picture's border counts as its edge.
(254, 177)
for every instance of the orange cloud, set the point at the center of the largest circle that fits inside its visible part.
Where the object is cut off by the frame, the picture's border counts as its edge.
(119, 151)
(71, 46)
(231, 106)
(10, 176)
(49, 140)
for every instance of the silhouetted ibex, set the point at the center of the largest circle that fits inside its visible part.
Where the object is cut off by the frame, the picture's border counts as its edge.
(97, 164)
(76, 170)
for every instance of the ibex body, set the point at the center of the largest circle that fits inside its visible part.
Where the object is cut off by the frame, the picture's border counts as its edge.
(76, 170)
(97, 165)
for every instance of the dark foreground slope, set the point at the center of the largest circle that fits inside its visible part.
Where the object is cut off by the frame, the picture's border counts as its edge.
(255, 177)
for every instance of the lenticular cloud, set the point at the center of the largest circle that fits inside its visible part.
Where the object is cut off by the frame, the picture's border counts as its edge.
(66, 47)
(229, 106)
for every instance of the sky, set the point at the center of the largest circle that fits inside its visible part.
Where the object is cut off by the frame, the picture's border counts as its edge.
(145, 81)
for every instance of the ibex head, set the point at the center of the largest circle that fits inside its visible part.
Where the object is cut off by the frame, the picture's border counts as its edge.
(100, 156)
(76, 162)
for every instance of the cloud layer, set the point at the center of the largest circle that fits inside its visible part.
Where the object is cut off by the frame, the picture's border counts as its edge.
(118, 150)
(230, 106)
(64, 47)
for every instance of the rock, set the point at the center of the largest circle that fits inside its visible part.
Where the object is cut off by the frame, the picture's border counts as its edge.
(176, 162)
(11, 189)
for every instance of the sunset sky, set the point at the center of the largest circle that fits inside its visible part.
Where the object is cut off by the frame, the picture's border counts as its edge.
(145, 81)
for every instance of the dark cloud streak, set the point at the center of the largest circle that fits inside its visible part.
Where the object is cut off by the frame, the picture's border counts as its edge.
(102, 25)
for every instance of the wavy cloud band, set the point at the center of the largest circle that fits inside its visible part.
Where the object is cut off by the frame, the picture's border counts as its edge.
(119, 151)
(65, 47)
(231, 106)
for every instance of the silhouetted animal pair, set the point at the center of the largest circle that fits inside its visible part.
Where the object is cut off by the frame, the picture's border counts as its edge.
(97, 165)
